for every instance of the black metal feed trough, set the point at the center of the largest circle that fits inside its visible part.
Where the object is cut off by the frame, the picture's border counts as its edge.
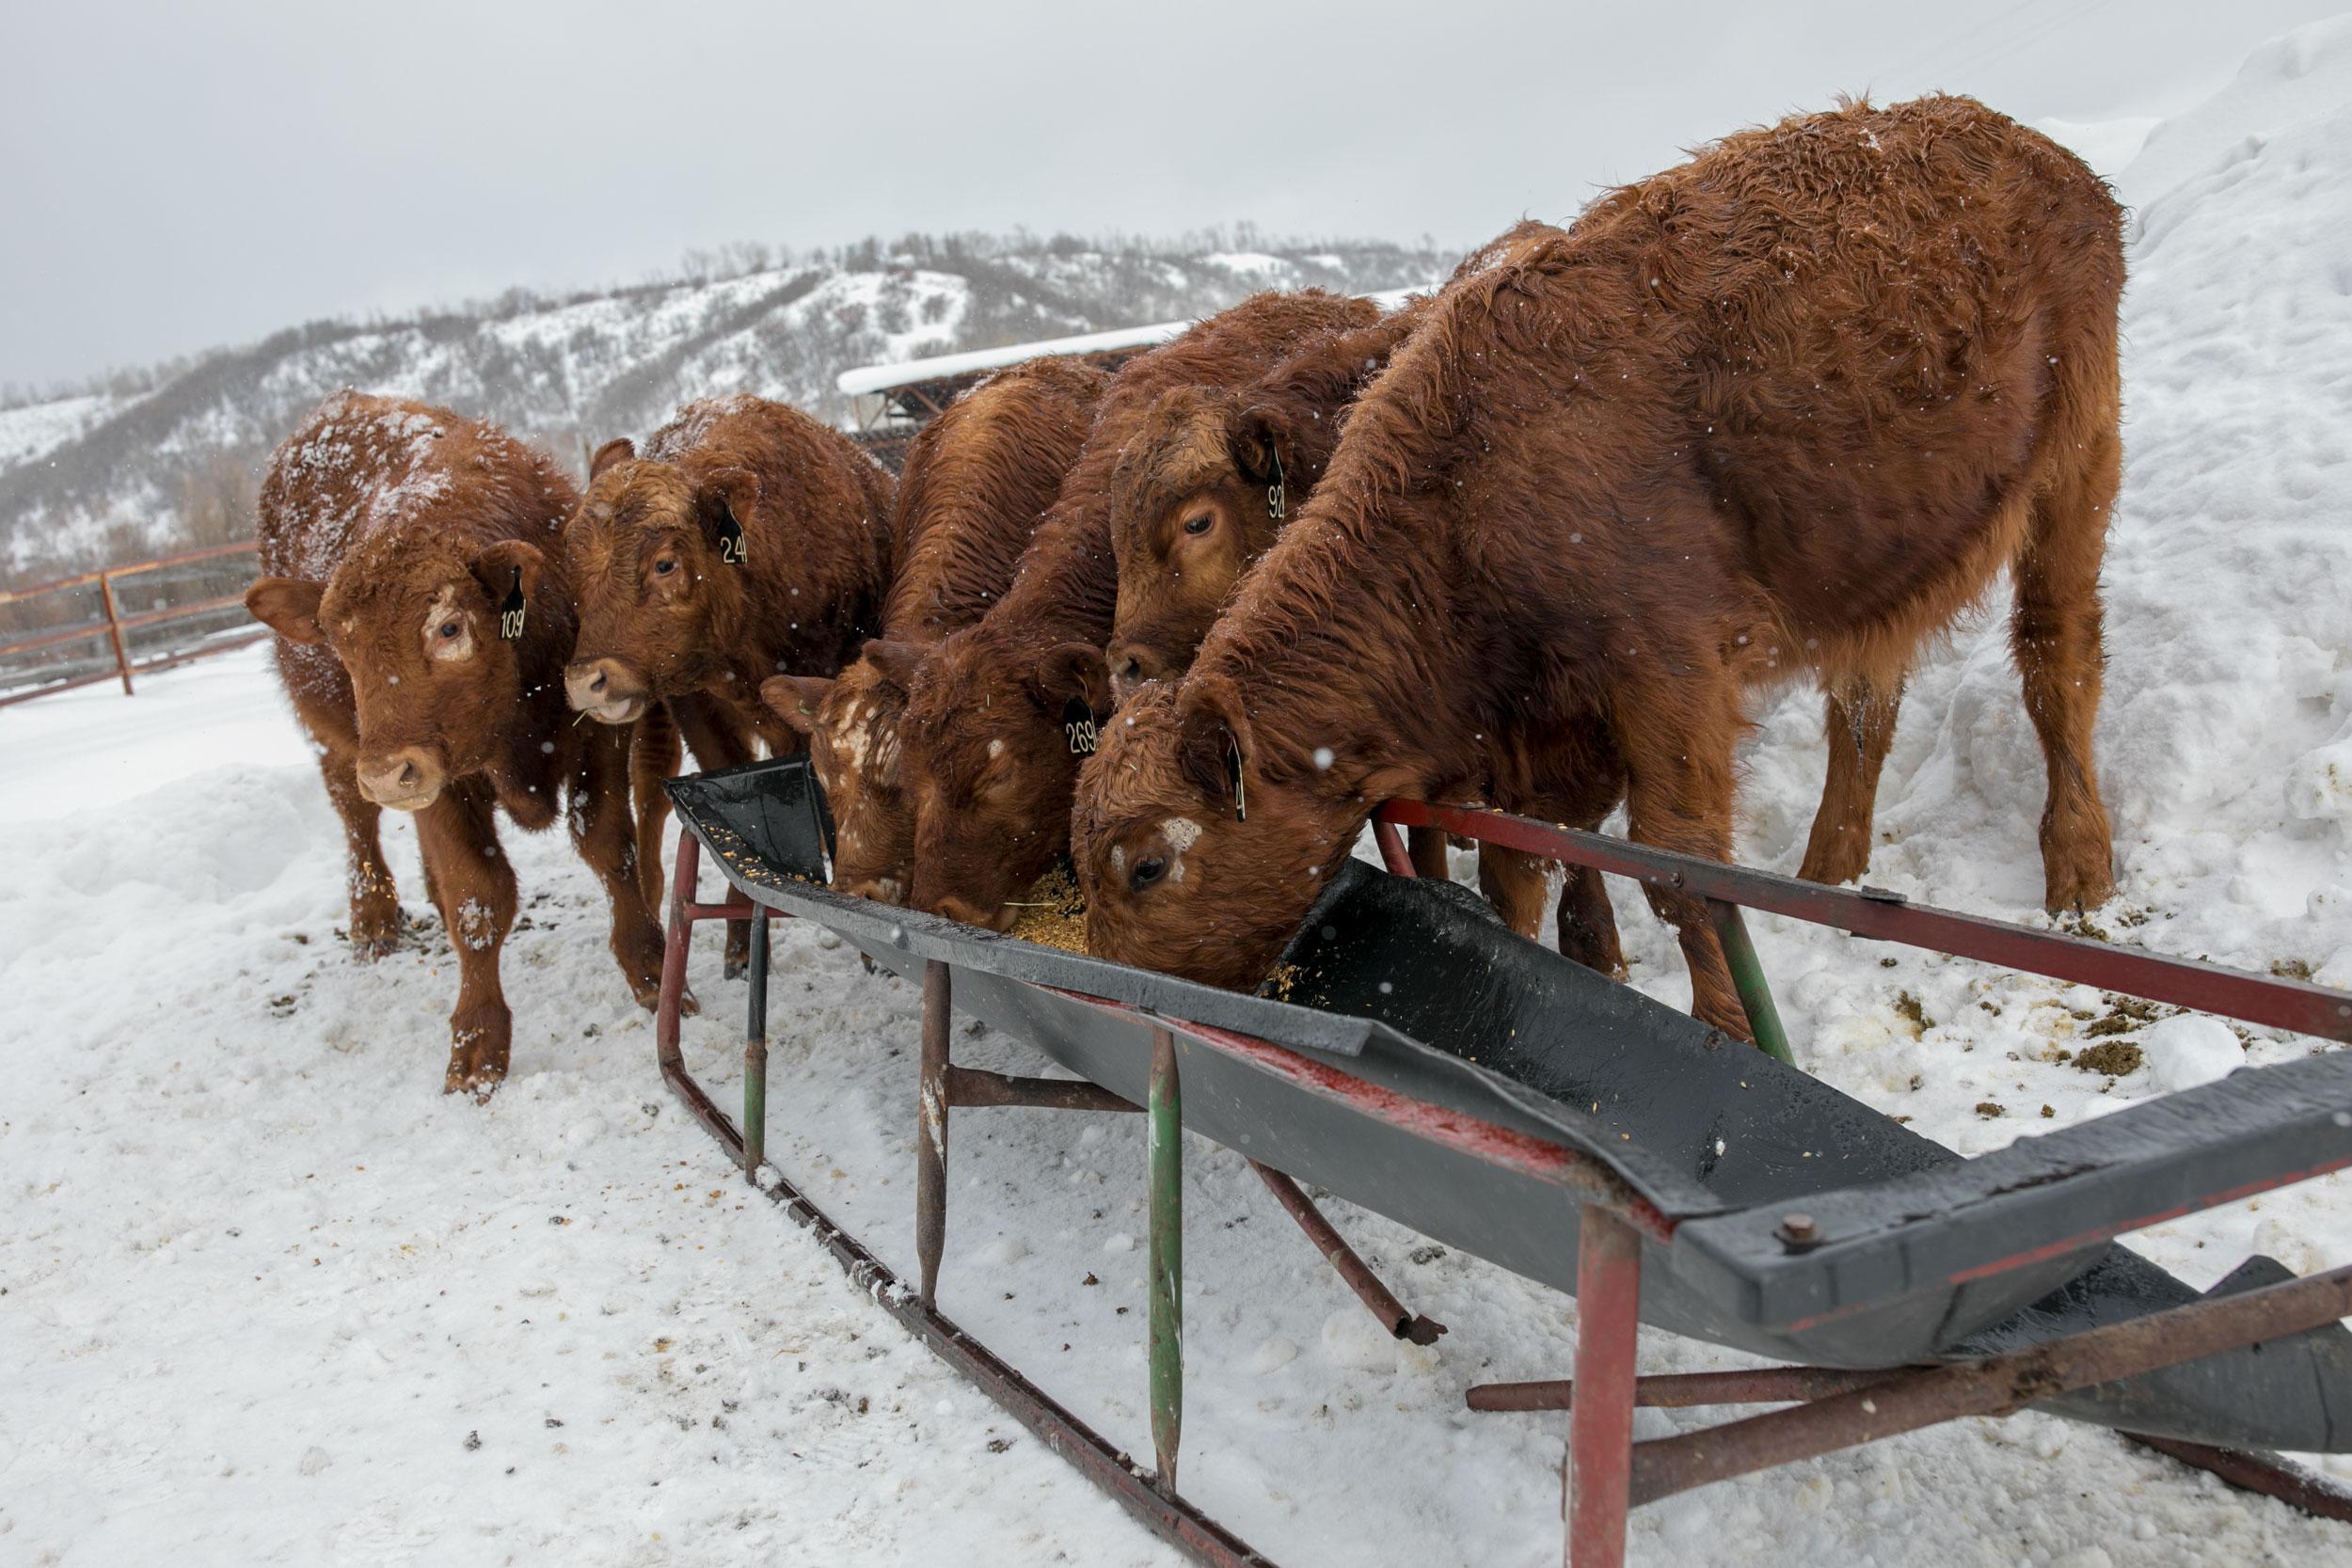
(1431, 1066)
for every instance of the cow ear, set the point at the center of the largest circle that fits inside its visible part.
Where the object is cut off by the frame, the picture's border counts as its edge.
(495, 567)
(1214, 749)
(619, 450)
(896, 662)
(798, 700)
(1251, 438)
(1074, 670)
(288, 606)
(730, 499)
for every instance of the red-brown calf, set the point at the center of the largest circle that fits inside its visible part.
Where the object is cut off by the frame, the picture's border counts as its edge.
(748, 540)
(1789, 407)
(987, 748)
(422, 637)
(977, 478)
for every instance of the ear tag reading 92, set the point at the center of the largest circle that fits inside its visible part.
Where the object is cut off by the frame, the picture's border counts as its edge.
(510, 613)
(731, 546)
(1080, 727)
(1233, 777)
(1277, 495)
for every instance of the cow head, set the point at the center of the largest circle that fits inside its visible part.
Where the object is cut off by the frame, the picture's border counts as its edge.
(656, 558)
(1194, 857)
(1202, 492)
(435, 645)
(991, 741)
(852, 727)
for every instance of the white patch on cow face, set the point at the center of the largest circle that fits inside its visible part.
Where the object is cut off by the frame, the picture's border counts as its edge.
(1119, 860)
(1181, 833)
(995, 750)
(439, 641)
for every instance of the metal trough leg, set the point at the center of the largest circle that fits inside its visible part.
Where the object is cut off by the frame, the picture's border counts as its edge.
(1600, 1425)
(930, 1146)
(1166, 1138)
(1747, 977)
(1391, 1312)
(755, 1054)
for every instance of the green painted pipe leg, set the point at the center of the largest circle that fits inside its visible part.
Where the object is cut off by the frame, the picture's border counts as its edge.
(1747, 977)
(755, 1054)
(1167, 1257)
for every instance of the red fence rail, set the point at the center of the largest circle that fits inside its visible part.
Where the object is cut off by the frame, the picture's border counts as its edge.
(115, 626)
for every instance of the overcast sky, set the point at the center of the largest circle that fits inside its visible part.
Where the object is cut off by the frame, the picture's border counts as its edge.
(174, 176)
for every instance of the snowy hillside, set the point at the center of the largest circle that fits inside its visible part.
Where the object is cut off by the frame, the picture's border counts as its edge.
(270, 1298)
(571, 374)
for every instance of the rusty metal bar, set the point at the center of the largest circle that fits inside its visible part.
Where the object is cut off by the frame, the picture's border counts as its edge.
(84, 579)
(976, 1086)
(1684, 1390)
(1996, 1385)
(114, 630)
(2265, 1474)
(2271, 1000)
(1420, 1329)
(180, 612)
(674, 945)
(1393, 851)
(1600, 1425)
(1166, 1152)
(930, 1142)
(755, 1053)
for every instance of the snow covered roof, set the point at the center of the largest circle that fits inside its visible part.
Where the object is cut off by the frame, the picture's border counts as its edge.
(881, 378)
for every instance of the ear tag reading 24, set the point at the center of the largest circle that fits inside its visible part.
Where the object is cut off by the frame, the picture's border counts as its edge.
(731, 546)
(510, 613)
(1080, 727)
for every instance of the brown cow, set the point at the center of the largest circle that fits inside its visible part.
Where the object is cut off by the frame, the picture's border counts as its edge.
(987, 740)
(977, 481)
(421, 639)
(1789, 407)
(749, 540)
(1201, 493)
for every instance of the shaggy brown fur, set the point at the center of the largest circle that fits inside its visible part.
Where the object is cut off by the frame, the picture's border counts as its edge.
(1206, 484)
(395, 533)
(988, 763)
(1788, 408)
(663, 613)
(977, 478)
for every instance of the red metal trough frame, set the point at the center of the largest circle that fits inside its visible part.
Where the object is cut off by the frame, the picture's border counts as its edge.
(1605, 1471)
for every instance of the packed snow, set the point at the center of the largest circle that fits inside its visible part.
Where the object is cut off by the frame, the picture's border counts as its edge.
(267, 1296)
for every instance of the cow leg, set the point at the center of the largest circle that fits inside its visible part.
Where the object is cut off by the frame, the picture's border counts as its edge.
(374, 902)
(1859, 722)
(602, 836)
(1427, 848)
(1588, 924)
(717, 743)
(653, 756)
(1679, 797)
(2055, 634)
(1515, 884)
(474, 886)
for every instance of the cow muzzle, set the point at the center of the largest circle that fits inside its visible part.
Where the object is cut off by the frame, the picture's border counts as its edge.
(999, 919)
(410, 779)
(1133, 668)
(605, 690)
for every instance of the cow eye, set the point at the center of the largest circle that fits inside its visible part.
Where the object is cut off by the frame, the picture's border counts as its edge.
(1147, 870)
(450, 629)
(1199, 524)
(664, 567)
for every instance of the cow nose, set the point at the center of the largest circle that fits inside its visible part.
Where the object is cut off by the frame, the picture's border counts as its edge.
(603, 687)
(407, 780)
(1127, 672)
(998, 919)
(882, 890)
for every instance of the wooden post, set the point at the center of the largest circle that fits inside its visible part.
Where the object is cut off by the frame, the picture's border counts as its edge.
(114, 630)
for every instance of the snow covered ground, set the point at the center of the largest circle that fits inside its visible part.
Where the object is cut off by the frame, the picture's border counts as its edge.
(267, 1296)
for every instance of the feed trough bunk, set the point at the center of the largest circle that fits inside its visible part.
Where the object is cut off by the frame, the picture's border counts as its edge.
(1421, 1061)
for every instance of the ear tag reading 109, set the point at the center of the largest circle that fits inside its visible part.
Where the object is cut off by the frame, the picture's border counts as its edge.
(510, 613)
(731, 546)
(1080, 727)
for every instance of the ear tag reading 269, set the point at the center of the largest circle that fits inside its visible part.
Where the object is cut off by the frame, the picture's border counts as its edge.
(1080, 727)
(510, 613)
(731, 546)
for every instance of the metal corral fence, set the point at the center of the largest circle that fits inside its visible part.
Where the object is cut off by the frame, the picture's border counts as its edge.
(124, 621)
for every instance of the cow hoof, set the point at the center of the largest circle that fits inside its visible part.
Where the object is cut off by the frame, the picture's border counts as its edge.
(737, 968)
(369, 946)
(2074, 890)
(651, 999)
